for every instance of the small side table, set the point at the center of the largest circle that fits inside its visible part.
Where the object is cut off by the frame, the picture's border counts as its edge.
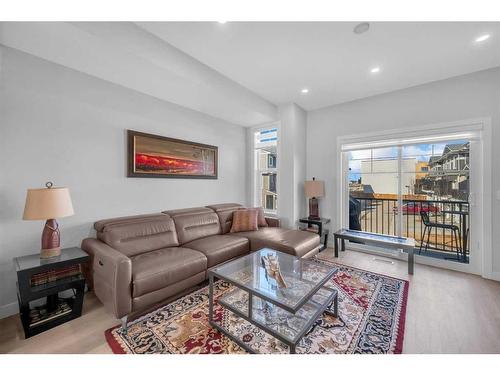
(38, 278)
(318, 226)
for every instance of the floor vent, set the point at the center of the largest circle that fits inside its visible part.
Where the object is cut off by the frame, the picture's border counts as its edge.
(383, 260)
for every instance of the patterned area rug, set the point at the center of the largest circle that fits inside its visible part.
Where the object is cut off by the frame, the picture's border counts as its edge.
(372, 310)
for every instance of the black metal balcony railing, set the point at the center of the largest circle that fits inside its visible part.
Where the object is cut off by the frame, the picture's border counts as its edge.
(381, 216)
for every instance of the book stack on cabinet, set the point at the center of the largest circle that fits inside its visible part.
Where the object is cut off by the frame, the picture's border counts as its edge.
(55, 274)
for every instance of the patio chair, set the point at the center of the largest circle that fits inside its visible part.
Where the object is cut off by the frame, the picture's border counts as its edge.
(455, 230)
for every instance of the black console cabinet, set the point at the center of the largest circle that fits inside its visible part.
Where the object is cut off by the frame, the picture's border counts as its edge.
(317, 226)
(30, 265)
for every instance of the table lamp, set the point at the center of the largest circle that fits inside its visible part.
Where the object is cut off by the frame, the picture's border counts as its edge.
(314, 189)
(48, 204)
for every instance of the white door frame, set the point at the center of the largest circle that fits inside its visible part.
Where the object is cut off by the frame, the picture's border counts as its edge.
(481, 255)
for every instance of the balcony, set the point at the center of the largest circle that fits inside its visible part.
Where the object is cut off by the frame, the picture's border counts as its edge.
(381, 216)
(448, 172)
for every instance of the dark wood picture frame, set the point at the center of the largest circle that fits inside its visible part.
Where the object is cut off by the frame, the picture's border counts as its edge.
(131, 153)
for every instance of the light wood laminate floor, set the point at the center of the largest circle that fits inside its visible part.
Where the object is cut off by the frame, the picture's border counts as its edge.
(448, 312)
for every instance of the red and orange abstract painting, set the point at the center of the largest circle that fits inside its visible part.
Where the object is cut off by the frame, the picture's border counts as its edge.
(156, 156)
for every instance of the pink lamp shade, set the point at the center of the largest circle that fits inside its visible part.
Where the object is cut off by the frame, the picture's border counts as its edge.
(48, 204)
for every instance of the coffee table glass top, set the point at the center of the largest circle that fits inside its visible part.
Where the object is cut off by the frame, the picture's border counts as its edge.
(303, 278)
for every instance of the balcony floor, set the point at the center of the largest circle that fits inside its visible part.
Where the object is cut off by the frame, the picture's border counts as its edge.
(449, 256)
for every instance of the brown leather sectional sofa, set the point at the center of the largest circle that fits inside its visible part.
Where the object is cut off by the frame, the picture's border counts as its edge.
(140, 261)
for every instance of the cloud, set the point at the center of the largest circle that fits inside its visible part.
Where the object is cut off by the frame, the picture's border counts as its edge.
(378, 153)
(356, 157)
(421, 151)
(424, 151)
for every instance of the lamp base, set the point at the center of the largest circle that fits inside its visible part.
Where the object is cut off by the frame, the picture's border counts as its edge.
(50, 253)
(51, 240)
(313, 209)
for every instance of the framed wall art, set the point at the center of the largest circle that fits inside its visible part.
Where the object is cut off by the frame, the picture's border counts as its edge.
(155, 156)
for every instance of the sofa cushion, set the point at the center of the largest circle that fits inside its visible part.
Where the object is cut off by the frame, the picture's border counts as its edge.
(159, 268)
(100, 225)
(194, 223)
(261, 218)
(225, 212)
(188, 211)
(291, 241)
(244, 220)
(224, 206)
(134, 235)
(220, 248)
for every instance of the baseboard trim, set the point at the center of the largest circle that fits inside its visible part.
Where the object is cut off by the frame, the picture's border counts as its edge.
(494, 276)
(8, 310)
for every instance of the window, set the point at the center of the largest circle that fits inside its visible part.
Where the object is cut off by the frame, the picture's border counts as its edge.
(265, 161)
(272, 182)
(271, 161)
(390, 187)
(269, 202)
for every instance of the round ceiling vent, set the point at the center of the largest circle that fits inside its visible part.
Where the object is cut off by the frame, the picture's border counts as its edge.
(361, 28)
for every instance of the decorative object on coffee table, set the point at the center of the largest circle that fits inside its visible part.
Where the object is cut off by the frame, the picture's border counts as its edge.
(48, 204)
(45, 278)
(272, 267)
(314, 189)
(152, 155)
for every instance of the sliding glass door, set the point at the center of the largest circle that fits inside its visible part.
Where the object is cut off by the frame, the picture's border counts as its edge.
(419, 190)
(373, 189)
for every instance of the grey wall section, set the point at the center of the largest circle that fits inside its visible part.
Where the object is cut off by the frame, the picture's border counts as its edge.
(60, 125)
(465, 97)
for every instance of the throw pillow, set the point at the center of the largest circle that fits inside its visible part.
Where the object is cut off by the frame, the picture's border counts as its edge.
(244, 221)
(261, 219)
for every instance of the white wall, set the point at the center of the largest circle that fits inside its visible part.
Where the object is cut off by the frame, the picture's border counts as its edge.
(126, 54)
(465, 97)
(61, 125)
(291, 163)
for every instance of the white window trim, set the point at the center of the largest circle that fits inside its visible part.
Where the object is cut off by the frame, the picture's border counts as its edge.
(251, 193)
(483, 264)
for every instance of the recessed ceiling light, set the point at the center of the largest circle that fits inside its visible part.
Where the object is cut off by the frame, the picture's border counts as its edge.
(482, 38)
(222, 22)
(361, 28)
(375, 69)
(304, 91)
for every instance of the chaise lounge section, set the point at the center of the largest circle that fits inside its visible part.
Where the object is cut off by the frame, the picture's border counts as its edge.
(140, 261)
(290, 241)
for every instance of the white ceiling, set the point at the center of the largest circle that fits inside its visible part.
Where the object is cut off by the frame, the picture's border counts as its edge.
(277, 59)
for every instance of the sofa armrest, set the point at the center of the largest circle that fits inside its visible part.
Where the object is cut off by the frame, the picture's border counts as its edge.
(273, 222)
(112, 276)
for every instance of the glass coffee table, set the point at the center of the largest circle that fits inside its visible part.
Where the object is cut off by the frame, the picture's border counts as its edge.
(284, 312)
